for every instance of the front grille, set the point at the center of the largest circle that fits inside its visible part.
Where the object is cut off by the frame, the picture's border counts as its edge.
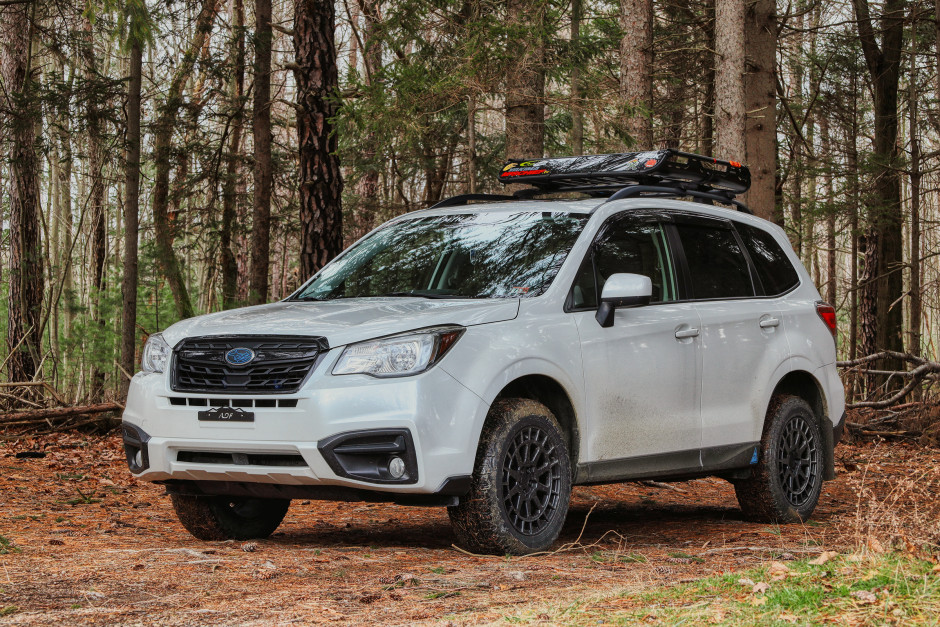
(280, 364)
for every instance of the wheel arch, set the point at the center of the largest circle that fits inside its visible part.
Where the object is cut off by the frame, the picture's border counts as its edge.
(551, 393)
(803, 384)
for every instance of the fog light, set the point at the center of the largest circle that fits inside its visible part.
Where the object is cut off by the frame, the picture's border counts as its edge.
(139, 459)
(396, 467)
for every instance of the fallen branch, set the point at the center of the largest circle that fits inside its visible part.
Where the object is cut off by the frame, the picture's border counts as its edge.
(58, 412)
(923, 369)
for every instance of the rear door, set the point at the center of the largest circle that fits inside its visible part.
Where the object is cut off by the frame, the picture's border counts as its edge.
(742, 339)
(641, 374)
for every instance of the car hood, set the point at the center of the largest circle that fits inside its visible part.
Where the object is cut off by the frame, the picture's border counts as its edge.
(344, 321)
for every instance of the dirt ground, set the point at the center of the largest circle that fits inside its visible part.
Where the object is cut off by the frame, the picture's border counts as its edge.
(82, 542)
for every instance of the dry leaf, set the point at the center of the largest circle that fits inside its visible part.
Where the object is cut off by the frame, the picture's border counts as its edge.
(760, 587)
(744, 581)
(824, 557)
(875, 546)
(778, 571)
(865, 597)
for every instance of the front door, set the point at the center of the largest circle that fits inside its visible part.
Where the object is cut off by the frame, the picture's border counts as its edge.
(641, 375)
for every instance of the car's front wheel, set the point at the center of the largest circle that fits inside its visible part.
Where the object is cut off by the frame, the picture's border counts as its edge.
(785, 484)
(521, 485)
(229, 517)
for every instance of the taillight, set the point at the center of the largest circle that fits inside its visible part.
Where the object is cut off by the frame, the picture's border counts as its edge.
(828, 315)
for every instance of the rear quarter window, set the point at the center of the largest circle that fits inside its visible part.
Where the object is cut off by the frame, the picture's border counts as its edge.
(774, 268)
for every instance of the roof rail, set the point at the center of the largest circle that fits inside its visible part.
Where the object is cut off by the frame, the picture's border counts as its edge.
(662, 191)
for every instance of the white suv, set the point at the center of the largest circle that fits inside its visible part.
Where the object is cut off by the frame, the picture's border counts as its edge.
(488, 357)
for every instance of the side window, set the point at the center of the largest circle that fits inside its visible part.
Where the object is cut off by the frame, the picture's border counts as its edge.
(774, 269)
(626, 246)
(717, 265)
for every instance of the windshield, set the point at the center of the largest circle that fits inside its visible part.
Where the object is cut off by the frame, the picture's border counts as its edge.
(476, 255)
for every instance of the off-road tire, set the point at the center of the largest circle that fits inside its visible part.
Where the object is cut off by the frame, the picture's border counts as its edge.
(496, 515)
(785, 484)
(229, 517)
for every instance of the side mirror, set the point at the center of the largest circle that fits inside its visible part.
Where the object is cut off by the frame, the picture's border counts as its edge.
(623, 290)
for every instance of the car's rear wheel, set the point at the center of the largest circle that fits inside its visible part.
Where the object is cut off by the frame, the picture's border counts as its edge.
(521, 486)
(229, 517)
(785, 484)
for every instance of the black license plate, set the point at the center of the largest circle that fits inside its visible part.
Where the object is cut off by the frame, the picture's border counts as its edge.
(227, 414)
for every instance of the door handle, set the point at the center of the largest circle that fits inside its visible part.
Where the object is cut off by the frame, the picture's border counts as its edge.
(768, 322)
(684, 333)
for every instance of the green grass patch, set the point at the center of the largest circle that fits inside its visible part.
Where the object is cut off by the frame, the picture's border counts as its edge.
(858, 589)
(9, 609)
(7, 546)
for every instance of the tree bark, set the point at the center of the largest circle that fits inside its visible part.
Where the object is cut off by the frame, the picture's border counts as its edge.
(761, 106)
(367, 188)
(882, 320)
(131, 216)
(729, 79)
(96, 197)
(636, 70)
(163, 128)
(525, 80)
(232, 161)
(24, 330)
(916, 302)
(321, 184)
(263, 174)
(577, 114)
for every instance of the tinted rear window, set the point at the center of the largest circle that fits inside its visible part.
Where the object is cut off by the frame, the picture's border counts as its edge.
(717, 265)
(773, 267)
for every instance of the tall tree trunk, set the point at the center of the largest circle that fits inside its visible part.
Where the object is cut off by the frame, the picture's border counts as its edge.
(163, 128)
(882, 320)
(636, 70)
(729, 79)
(321, 184)
(131, 215)
(916, 303)
(232, 160)
(367, 188)
(708, 102)
(95, 200)
(830, 212)
(760, 36)
(24, 332)
(525, 81)
(263, 174)
(472, 144)
(577, 114)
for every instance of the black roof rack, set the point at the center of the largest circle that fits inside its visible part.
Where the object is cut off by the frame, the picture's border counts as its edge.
(661, 167)
(659, 173)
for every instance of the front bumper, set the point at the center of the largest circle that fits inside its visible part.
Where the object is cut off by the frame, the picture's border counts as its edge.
(438, 418)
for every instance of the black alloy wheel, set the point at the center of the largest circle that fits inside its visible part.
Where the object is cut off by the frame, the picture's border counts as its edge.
(531, 482)
(784, 484)
(798, 460)
(521, 484)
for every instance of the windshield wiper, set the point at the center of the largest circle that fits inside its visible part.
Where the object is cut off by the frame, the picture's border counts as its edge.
(415, 294)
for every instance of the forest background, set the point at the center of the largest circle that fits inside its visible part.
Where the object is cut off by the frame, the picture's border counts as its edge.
(165, 159)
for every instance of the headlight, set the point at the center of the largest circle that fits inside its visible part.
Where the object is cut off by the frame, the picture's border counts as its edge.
(156, 354)
(398, 355)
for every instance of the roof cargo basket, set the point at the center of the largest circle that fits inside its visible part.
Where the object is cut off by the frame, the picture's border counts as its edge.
(662, 168)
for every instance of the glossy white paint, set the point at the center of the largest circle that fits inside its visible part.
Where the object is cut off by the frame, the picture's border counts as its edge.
(626, 285)
(663, 378)
(641, 381)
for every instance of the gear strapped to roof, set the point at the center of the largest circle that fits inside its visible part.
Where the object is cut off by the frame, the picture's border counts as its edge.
(667, 168)
(659, 173)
